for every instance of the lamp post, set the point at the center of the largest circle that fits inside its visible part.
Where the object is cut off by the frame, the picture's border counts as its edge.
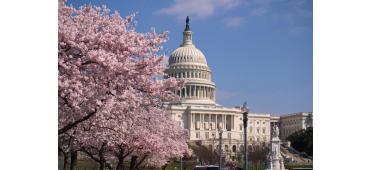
(220, 147)
(245, 123)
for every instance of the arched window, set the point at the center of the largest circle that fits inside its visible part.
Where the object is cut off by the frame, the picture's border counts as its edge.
(241, 147)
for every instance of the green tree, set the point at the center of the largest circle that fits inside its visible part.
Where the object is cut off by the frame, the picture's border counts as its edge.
(302, 140)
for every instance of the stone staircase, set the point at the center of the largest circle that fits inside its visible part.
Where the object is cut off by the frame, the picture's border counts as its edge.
(294, 157)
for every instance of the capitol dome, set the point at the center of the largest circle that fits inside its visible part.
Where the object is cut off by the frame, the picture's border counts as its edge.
(189, 64)
(187, 54)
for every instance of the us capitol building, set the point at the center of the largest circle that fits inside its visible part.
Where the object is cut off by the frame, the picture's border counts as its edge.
(198, 111)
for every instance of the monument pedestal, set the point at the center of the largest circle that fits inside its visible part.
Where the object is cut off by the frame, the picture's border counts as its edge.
(274, 159)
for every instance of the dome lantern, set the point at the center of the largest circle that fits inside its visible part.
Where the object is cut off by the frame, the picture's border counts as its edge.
(187, 35)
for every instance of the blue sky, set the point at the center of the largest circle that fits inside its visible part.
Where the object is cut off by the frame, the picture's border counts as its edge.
(260, 51)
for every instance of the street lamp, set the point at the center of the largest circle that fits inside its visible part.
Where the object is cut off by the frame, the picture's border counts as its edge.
(245, 123)
(220, 146)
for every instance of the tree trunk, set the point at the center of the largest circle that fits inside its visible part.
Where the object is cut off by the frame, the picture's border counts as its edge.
(120, 165)
(140, 162)
(101, 165)
(73, 160)
(65, 161)
(133, 162)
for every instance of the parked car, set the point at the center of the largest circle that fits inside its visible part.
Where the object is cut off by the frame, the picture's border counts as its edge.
(206, 167)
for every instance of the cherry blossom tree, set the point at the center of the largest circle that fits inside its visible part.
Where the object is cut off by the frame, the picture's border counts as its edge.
(110, 89)
(103, 63)
(147, 136)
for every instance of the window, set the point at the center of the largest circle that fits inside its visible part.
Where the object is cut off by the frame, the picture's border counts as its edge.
(241, 127)
(263, 122)
(263, 130)
(258, 122)
(258, 130)
(207, 135)
(197, 135)
(205, 125)
(250, 129)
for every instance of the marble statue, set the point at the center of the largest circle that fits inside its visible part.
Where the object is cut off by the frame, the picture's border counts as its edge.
(274, 158)
(275, 131)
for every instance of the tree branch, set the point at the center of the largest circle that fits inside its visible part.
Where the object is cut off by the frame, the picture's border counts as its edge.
(90, 155)
(73, 124)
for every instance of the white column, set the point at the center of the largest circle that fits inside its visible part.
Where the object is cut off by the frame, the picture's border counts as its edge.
(212, 93)
(209, 93)
(191, 91)
(203, 92)
(186, 91)
(209, 119)
(206, 92)
(191, 121)
(224, 122)
(216, 122)
(232, 122)
(200, 92)
(203, 121)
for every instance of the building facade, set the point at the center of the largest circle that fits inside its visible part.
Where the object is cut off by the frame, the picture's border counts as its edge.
(198, 111)
(294, 122)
